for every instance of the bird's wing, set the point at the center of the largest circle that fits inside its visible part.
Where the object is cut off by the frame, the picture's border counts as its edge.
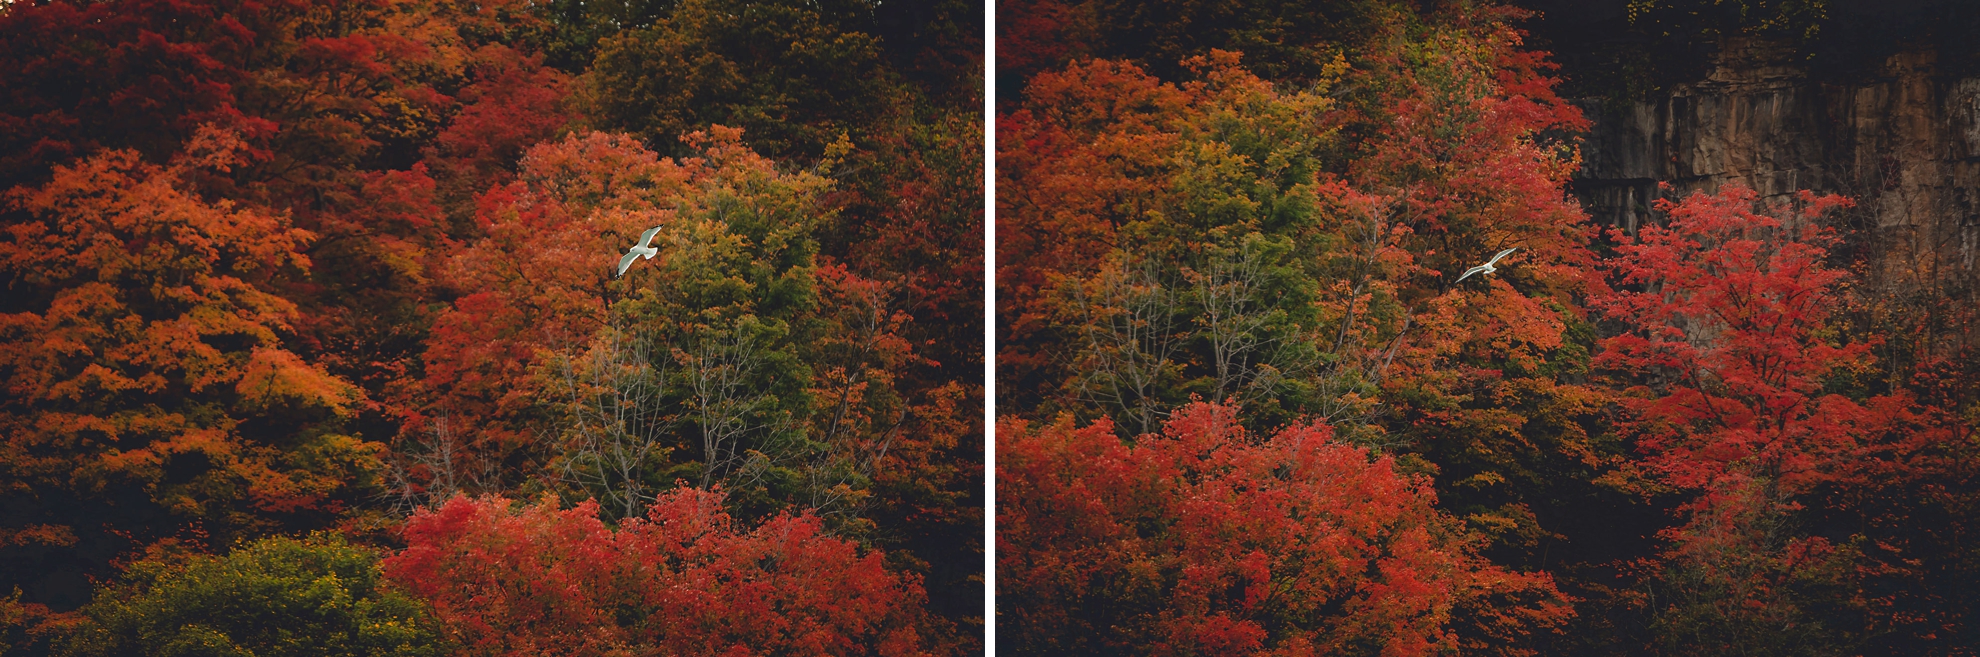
(1469, 272)
(627, 261)
(646, 238)
(1502, 254)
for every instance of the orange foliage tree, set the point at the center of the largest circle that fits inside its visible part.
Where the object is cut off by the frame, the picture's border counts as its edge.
(148, 363)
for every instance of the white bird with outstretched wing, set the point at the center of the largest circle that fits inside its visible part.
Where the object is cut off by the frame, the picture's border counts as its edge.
(640, 250)
(1486, 268)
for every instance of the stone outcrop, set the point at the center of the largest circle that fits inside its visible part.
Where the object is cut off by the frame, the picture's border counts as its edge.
(1904, 142)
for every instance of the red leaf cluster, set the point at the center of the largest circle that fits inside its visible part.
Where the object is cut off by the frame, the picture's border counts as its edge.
(1728, 306)
(686, 579)
(1203, 539)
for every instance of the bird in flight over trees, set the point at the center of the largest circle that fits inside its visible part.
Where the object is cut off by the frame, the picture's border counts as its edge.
(640, 250)
(1486, 268)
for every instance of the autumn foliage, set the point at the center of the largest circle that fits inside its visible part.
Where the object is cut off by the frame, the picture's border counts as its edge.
(1202, 539)
(148, 349)
(1727, 304)
(486, 357)
(684, 579)
(1746, 405)
(1694, 437)
(275, 268)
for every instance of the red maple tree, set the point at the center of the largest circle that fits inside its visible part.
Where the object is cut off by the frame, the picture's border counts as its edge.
(1741, 396)
(686, 579)
(1204, 539)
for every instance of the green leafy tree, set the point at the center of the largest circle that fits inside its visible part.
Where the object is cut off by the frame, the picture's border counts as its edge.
(696, 364)
(889, 91)
(276, 597)
(1206, 195)
(731, 302)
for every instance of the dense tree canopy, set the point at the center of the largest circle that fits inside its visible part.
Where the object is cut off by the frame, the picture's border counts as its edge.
(1203, 539)
(1682, 429)
(150, 361)
(280, 267)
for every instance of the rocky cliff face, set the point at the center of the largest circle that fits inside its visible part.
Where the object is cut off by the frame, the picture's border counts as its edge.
(1904, 142)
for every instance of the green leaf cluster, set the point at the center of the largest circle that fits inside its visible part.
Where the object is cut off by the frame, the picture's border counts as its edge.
(319, 596)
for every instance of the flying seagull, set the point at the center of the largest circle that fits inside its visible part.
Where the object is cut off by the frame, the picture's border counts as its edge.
(640, 250)
(1486, 268)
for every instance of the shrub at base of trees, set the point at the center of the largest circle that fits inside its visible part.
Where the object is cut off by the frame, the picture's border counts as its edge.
(486, 576)
(320, 596)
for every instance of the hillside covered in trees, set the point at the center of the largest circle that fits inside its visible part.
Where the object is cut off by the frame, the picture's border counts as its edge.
(313, 344)
(1252, 402)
